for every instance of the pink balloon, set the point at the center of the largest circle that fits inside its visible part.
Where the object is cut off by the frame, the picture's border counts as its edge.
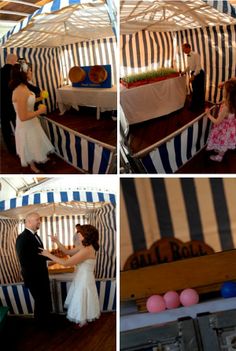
(155, 303)
(171, 299)
(189, 297)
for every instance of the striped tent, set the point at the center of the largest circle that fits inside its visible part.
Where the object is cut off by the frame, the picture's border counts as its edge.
(152, 34)
(67, 35)
(185, 208)
(60, 211)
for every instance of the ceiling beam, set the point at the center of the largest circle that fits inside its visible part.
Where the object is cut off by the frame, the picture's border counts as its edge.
(5, 12)
(22, 3)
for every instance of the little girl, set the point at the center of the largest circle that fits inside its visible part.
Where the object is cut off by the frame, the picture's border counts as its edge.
(223, 134)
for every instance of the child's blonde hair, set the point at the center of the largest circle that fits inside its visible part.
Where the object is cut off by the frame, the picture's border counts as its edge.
(230, 94)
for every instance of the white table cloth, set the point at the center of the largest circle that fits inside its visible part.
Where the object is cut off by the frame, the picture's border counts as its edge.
(102, 99)
(153, 100)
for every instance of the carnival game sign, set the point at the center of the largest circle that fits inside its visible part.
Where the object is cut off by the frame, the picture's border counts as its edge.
(167, 250)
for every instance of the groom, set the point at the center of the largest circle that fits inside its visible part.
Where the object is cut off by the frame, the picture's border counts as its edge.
(34, 268)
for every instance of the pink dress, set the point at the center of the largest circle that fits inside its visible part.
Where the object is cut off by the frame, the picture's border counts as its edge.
(223, 136)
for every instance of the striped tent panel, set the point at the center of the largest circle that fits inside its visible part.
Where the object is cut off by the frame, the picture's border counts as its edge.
(62, 226)
(20, 301)
(217, 48)
(9, 266)
(55, 197)
(82, 152)
(168, 156)
(104, 219)
(216, 45)
(94, 52)
(184, 208)
(223, 6)
(46, 68)
(51, 66)
(17, 298)
(144, 51)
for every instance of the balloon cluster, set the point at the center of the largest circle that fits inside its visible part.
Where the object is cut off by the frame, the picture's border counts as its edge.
(171, 299)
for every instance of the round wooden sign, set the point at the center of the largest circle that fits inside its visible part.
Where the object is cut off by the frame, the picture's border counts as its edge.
(97, 74)
(77, 74)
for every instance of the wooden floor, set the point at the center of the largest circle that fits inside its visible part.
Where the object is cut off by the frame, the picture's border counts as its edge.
(21, 334)
(84, 121)
(10, 164)
(142, 135)
(202, 164)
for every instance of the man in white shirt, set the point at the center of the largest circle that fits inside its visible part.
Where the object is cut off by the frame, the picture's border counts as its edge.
(197, 78)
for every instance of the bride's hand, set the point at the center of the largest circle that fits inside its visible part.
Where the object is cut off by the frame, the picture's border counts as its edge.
(42, 109)
(44, 252)
(54, 238)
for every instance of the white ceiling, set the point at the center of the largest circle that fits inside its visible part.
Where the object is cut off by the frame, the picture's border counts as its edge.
(71, 24)
(168, 15)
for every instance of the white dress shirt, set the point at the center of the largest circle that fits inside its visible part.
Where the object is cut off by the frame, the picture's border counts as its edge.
(36, 236)
(194, 63)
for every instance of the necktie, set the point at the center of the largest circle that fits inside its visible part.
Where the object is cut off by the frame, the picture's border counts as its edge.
(38, 239)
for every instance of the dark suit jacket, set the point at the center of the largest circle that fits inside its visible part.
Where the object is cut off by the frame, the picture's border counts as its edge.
(33, 266)
(6, 107)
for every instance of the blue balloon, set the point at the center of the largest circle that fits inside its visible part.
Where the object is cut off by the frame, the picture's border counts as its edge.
(228, 289)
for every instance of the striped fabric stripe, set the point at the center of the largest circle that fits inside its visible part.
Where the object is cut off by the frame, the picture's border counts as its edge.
(56, 196)
(169, 155)
(82, 152)
(150, 50)
(144, 51)
(20, 301)
(223, 6)
(185, 208)
(104, 219)
(9, 267)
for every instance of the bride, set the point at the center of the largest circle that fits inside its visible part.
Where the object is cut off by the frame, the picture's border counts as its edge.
(32, 144)
(82, 299)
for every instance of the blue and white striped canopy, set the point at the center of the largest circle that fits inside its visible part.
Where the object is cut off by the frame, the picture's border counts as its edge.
(54, 202)
(63, 22)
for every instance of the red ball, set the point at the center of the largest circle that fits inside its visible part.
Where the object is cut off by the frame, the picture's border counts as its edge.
(171, 299)
(189, 297)
(155, 303)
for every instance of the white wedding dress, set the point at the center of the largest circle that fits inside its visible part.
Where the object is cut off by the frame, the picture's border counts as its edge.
(32, 144)
(82, 299)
